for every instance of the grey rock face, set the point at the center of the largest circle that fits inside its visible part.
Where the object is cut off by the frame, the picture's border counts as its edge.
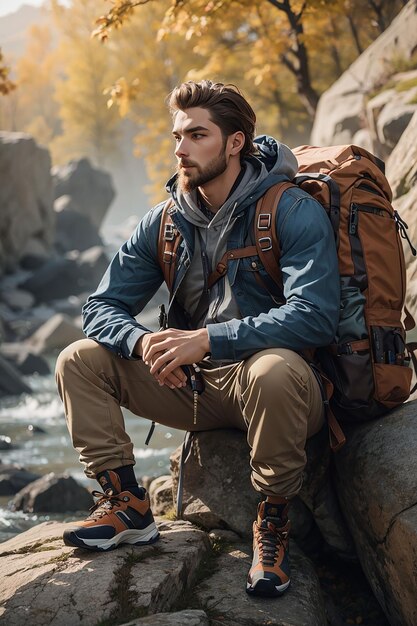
(218, 491)
(11, 382)
(13, 478)
(224, 599)
(52, 494)
(55, 334)
(50, 584)
(25, 197)
(161, 495)
(377, 484)
(24, 360)
(90, 188)
(72, 274)
(343, 106)
(74, 231)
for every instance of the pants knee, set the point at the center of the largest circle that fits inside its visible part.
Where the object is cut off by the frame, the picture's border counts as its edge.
(275, 371)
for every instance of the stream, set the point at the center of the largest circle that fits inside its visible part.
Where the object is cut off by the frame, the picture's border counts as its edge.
(51, 450)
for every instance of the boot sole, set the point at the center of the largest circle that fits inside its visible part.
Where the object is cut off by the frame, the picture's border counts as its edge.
(131, 537)
(266, 588)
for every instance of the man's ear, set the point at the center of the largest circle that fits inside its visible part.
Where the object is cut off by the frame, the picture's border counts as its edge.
(236, 142)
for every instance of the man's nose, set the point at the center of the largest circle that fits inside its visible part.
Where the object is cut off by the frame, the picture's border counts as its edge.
(181, 148)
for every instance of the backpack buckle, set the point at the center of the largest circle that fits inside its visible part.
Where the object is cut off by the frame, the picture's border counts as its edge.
(264, 221)
(167, 256)
(265, 243)
(169, 232)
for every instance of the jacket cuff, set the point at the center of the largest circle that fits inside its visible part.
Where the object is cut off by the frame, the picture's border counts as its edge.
(130, 343)
(221, 341)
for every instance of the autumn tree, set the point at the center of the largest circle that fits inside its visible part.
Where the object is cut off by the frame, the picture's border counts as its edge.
(291, 22)
(89, 127)
(6, 85)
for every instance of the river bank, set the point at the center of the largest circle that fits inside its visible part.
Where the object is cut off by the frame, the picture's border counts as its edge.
(40, 443)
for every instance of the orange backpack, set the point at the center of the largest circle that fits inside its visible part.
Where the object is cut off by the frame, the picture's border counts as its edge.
(368, 362)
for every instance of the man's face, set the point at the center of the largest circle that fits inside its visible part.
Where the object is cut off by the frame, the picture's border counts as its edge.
(200, 148)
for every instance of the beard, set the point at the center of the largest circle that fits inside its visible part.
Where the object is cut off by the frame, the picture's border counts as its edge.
(188, 180)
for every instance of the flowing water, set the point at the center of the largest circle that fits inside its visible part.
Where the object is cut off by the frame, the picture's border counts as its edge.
(51, 450)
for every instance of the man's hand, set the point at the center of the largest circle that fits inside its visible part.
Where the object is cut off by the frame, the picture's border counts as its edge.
(167, 350)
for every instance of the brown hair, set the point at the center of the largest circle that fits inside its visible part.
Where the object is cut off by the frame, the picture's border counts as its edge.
(228, 108)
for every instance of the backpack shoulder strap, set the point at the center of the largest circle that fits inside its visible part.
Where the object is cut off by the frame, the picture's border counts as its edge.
(266, 238)
(168, 241)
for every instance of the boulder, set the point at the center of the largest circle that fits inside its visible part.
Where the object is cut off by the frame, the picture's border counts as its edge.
(25, 361)
(223, 596)
(13, 478)
(34, 254)
(342, 108)
(377, 486)
(11, 383)
(393, 120)
(17, 299)
(161, 495)
(55, 334)
(74, 231)
(401, 167)
(73, 274)
(179, 580)
(218, 491)
(25, 197)
(52, 494)
(51, 584)
(90, 188)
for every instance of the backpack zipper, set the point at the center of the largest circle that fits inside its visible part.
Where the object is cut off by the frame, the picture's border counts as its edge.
(354, 215)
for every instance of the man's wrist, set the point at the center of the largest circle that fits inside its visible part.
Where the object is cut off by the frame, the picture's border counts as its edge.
(138, 349)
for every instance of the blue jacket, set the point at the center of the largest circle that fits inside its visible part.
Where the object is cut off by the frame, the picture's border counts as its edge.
(309, 266)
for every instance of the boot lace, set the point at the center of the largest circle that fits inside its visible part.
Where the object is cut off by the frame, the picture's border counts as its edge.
(104, 505)
(269, 539)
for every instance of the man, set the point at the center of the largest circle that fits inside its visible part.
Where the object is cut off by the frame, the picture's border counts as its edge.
(248, 346)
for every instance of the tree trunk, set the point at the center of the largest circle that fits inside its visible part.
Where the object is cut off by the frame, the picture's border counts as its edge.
(300, 69)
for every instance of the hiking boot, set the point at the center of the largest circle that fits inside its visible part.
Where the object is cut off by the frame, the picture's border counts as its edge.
(270, 571)
(116, 518)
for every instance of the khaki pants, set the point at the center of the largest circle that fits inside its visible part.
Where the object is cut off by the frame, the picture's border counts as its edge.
(273, 396)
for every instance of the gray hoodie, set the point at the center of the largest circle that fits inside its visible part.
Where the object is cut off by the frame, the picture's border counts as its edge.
(211, 236)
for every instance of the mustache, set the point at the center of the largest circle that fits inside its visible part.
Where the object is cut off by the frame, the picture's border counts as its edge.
(185, 163)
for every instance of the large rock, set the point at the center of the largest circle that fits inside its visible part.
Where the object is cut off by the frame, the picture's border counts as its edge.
(377, 485)
(74, 231)
(25, 197)
(218, 491)
(24, 360)
(55, 334)
(90, 188)
(177, 581)
(342, 108)
(49, 584)
(13, 478)
(11, 383)
(402, 176)
(52, 494)
(72, 274)
(225, 600)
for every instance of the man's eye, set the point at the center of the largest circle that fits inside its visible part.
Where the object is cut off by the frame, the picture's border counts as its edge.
(197, 135)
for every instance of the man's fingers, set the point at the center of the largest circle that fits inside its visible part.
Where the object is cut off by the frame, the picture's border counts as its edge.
(160, 362)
